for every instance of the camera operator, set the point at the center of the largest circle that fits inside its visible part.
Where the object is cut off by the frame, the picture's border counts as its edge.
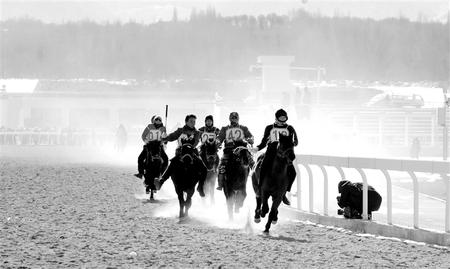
(351, 198)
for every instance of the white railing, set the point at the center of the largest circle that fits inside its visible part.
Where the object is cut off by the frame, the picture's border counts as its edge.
(384, 165)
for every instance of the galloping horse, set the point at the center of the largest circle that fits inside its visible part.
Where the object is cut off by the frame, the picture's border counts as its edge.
(236, 175)
(275, 181)
(211, 160)
(186, 172)
(153, 166)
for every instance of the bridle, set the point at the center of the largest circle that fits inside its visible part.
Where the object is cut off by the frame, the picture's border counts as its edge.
(284, 154)
(187, 154)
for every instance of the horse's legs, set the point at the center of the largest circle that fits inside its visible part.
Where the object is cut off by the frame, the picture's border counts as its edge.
(258, 210)
(212, 183)
(265, 203)
(182, 203)
(188, 202)
(273, 215)
(151, 195)
(230, 202)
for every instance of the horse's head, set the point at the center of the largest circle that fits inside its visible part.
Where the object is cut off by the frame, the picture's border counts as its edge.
(209, 153)
(187, 153)
(154, 150)
(285, 147)
(241, 153)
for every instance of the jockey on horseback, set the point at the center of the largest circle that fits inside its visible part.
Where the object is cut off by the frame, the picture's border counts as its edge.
(188, 134)
(230, 134)
(154, 131)
(270, 138)
(208, 132)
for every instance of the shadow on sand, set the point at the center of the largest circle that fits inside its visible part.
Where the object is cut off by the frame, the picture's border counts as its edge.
(156, 201)
(283, 238)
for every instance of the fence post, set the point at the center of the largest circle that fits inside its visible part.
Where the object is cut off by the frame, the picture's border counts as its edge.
(389, 196)
(365, 190)
(325, 190)
(311, 188)
(416, 198)
(447, 202)
(299, 186)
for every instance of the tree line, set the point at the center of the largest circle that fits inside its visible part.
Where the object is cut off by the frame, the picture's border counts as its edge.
(211, 46)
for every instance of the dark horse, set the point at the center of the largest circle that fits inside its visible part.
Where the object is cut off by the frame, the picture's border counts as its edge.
(236, 175)
(208, 153)
(186, 171)
(275, 181)
(153, 166)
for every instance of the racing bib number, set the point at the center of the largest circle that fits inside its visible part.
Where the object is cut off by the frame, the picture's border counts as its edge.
(234, 134)
(154, 135)
(208, 136)
(275, 134)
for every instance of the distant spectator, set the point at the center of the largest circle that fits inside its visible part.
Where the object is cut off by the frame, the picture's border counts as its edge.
(415, 148)
(121, 138)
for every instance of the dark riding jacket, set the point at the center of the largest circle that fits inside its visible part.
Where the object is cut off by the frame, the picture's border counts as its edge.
(231, 133)
(185, 135)
(272, 132)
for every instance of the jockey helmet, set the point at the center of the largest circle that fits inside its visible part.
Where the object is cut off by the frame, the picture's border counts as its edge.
(281, 115)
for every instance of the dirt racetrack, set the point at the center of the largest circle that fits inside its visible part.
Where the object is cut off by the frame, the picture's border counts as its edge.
(56, 214)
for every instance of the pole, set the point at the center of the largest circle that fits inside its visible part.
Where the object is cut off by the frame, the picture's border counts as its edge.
(165, 118)
(446, 101)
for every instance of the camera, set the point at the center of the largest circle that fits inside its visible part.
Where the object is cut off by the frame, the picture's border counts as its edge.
(340, 212)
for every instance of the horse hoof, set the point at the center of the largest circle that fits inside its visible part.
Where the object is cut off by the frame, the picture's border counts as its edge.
(266, 232)
(257, 220)
(274, 222)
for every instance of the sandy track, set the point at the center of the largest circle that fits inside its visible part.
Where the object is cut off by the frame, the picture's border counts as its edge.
(85, 215)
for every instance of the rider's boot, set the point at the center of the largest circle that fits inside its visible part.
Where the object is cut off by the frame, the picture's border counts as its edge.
(286, 200)
(291, 176)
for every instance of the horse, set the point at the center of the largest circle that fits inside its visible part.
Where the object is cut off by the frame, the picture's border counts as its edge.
(188, 170)
(153, 166)
(236, 174)
(275, 181)
(211, 160)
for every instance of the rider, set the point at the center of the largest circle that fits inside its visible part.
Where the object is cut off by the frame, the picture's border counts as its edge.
(187, 134)
(154, 131)
(209, 131)
(231, 134)
(271, 134)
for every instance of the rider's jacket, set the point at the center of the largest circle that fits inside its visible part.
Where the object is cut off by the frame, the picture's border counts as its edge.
(208, 133)
(153, 133)
(232, 133)
(185, 135)
(273, 131)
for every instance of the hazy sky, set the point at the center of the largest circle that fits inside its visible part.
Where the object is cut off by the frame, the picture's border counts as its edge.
(148, 11)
